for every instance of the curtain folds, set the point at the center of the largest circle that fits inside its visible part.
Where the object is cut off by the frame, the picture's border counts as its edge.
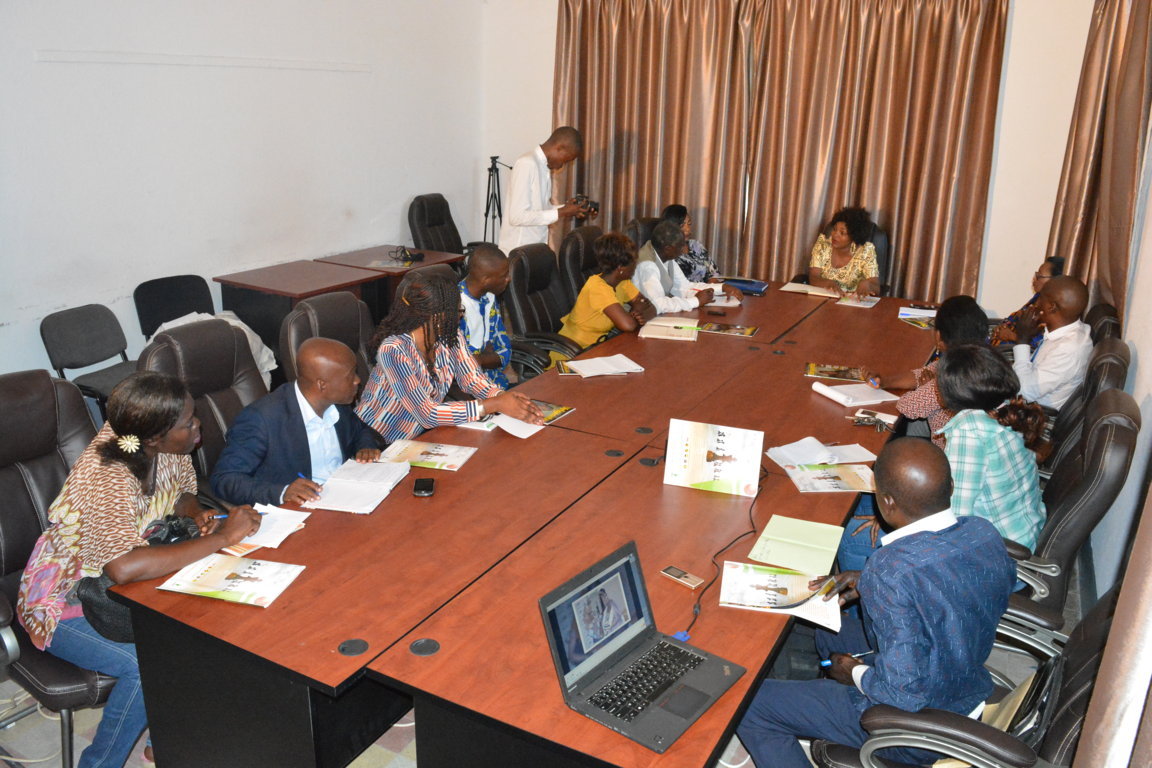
(765, 116)
(1096, 202)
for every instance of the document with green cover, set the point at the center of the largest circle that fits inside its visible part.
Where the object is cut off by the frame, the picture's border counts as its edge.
(798, 544)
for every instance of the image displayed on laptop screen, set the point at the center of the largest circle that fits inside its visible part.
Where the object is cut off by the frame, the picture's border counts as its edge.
(596, 618)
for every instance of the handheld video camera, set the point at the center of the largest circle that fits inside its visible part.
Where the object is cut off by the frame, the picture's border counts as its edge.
(592, 206)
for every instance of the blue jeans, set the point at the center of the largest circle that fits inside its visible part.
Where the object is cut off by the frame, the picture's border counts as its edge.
(857, 547)
(786, 710)
(75, 641)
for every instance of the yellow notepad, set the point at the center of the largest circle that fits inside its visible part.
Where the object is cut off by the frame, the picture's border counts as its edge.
(801, 545)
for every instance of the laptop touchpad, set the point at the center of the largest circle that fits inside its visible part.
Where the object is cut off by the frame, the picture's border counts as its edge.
(685, 701)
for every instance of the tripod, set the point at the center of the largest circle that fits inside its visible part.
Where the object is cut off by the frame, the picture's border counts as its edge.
(492, 212)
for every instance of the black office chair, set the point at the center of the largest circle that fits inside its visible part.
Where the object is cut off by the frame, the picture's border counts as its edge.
(430, 220)
(535, 300)
(214, 361)
(44, 427)
(1047, 724)
(340, 316)
(167, 298)
(1107, 369)
(577, 260)
(1083, 486)
(84, 336)
(527, 359)
(1104, 322)
(639, 230)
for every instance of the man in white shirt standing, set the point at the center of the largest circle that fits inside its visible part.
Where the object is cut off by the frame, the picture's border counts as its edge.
(662, 281)
(1051, 374)
(530, 210)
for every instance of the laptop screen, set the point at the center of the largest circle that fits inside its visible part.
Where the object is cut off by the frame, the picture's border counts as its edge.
(597, 614)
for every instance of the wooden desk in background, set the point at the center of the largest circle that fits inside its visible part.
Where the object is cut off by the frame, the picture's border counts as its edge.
(382, 259)
(262, 297)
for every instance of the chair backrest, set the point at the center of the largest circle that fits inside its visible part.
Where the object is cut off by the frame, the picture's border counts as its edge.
(577, 261)
(432, 226)
(82, 336)
(1063, 718)
(879, 241)
(1107, 369)
(534, 301)
(340, 316)
(1104, 322)
(1085, 482)
(167, 298)
(639, 230)
(44, 427)
(214, 361)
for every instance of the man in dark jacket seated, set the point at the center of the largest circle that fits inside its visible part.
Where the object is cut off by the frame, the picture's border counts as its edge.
(930, 599)
(284, 447)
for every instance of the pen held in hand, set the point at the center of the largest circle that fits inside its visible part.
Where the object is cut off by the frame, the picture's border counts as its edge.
(224, 516)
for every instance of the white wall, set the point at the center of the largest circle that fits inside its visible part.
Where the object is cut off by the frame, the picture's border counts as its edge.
(146, 139)
(518, 62)
(1043, 55)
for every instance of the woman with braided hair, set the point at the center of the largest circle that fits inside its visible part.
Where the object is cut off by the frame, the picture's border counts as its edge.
(419, 354)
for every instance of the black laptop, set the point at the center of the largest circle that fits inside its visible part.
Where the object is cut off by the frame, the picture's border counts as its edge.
(615, 667)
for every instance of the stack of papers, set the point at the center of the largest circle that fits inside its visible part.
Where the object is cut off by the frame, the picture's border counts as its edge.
(615, 365)
(921, 318)
(811, 290)
(854, 394)
(358, 488)
(675, 328)
(812, 451)
(276, 524)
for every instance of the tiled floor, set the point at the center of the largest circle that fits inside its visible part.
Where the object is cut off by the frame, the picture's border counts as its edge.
(37, 736)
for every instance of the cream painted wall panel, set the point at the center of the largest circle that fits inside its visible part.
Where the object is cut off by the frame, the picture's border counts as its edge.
(143, 139)
(1045, 48)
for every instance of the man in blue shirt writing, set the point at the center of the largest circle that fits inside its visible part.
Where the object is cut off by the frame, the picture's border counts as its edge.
(930, 600)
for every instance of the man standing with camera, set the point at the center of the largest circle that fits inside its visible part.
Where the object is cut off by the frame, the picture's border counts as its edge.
(530, 210)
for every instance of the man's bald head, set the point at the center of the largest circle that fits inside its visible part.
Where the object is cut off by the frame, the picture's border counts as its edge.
(486, 258)
(326, 372)
(567, 136)
(1068, 298)
(487, 271)
(913, 477)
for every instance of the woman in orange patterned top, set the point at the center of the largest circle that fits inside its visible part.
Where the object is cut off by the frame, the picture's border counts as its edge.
(134, 473)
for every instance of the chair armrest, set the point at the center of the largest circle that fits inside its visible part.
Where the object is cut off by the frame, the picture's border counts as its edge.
(527, 359)
(7, 615)
(1016, 551)
(553, 342)
(1039, 565)
(942, 731)
(1025, 611)
(9, 645)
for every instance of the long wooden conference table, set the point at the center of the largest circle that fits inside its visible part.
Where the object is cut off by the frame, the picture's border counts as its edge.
(317, 676)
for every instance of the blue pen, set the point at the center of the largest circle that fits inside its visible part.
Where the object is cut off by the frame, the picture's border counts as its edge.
(223, 516)
(825, 663)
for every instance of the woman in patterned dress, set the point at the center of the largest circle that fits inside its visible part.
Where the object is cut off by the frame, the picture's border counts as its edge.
(135, 472)
(845, 260)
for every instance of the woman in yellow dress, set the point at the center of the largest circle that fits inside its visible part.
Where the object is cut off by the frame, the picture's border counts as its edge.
(608, 300)
(845, 260)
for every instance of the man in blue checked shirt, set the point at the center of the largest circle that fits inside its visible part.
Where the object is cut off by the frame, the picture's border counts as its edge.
(481, 322)
(930, 599)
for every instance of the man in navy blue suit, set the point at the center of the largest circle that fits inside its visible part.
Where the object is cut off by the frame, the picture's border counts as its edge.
(284, 447)
(930, 599)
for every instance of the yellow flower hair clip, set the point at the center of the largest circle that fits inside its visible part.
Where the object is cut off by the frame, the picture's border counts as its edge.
(128, 443)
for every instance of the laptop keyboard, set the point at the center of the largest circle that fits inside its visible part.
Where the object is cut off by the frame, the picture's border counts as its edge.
(630, 692)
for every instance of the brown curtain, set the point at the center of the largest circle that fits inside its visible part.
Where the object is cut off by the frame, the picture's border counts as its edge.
(765, 116)
(1096, 203)
(657, 88)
